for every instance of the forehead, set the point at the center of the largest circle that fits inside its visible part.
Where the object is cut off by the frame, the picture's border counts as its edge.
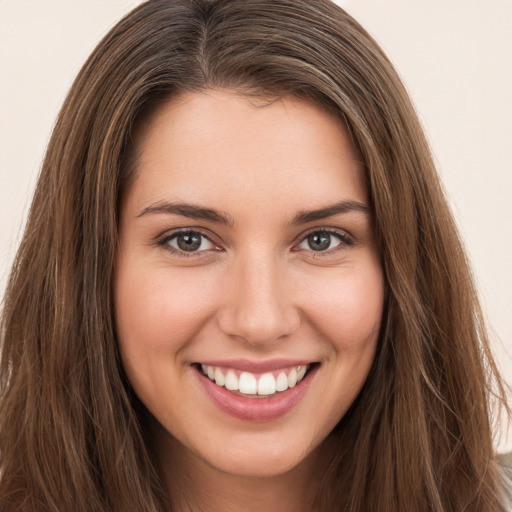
(214, 146)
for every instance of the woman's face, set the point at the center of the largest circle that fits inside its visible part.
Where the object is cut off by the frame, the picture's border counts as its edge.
(247, 256)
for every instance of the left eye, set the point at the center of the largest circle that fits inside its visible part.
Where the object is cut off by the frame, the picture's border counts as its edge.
(189, 241)
(319, 241)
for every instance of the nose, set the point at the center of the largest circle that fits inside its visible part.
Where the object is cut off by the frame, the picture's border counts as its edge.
(259, 305)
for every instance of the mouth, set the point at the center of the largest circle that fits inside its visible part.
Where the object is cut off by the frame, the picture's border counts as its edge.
(255, 385)
(256, 395)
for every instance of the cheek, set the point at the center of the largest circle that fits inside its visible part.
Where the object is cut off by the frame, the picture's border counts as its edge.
(159, 309)
(348, 308)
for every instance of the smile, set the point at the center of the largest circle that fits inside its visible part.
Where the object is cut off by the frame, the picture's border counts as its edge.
(248, 383)
(257, 392)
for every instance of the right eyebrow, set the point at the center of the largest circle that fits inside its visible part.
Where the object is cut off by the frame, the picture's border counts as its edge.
(191, 211)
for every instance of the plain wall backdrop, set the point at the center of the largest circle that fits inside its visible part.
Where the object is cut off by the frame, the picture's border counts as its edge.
(455, 57)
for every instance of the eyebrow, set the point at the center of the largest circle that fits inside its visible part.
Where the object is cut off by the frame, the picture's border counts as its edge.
(188, 210)
(201, 213)
(330, 211)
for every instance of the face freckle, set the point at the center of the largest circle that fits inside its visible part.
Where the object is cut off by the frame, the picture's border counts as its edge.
(247, 256)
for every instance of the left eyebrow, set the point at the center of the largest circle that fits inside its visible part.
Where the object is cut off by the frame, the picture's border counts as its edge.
(329, 211)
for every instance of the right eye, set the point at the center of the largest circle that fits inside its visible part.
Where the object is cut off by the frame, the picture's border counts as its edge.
(184, 242)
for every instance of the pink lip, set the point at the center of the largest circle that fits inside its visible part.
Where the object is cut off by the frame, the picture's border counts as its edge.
(245, 365)
(256, 409)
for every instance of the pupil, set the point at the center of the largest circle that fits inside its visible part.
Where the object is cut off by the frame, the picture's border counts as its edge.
(189, 242)
(319, 241)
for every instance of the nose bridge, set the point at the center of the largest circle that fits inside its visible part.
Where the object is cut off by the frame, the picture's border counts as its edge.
(260, 308)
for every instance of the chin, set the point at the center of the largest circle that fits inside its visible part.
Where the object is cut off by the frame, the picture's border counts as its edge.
(261, 458)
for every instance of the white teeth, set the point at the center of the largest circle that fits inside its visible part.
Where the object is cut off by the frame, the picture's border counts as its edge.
(219, 377)
(266, 384)
(282, 382)
(292, 378)
(249, 384)
(231, 381)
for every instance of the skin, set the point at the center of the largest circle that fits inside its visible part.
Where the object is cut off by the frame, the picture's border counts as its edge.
(255, 289)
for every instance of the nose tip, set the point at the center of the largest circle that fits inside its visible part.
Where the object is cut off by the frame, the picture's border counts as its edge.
(259, 309)
(258, 325)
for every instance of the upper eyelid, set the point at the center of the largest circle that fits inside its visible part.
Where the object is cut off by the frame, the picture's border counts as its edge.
(177, 231)
(324, 229)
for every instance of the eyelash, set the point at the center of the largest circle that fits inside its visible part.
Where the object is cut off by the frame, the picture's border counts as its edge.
(345, 241)
(166, 238)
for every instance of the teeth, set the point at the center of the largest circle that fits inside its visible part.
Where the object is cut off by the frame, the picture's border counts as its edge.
(231, 381)
(249, 384)
(267, 384)
(292, 378)
(282, 382)
(219, 377)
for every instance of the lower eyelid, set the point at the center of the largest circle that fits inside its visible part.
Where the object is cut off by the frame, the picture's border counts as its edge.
(164, 241)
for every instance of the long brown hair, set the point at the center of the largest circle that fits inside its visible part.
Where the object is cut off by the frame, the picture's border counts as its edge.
(71, 432)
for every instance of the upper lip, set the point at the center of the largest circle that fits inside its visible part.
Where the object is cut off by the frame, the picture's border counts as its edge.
(246, 365)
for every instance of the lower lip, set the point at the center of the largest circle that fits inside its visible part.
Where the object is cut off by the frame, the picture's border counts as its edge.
(257, 409)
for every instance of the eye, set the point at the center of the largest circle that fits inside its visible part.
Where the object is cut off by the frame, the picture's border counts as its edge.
(324, 240)
(187, 241)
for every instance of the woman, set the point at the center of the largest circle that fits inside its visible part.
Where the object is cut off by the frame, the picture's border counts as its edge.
(240, 286)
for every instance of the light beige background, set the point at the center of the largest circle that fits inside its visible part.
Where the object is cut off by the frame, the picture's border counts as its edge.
(455, 57)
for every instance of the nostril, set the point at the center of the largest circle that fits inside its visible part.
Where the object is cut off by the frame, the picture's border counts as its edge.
(259, 326)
